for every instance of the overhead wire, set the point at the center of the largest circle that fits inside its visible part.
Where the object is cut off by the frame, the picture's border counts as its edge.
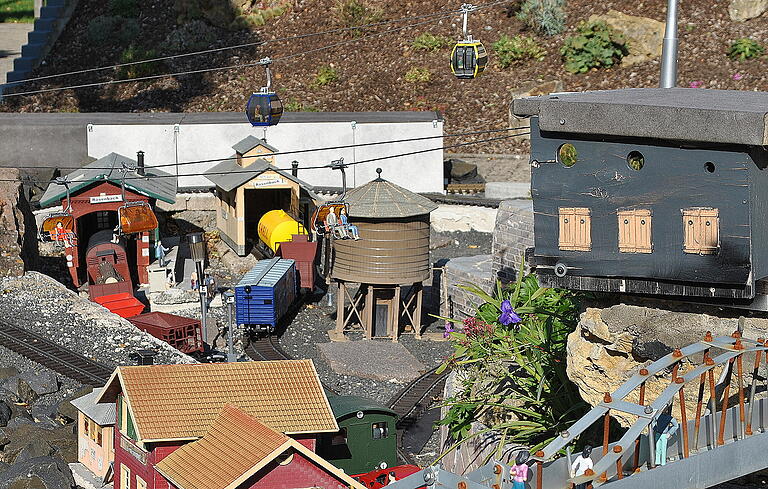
(315, 167)
(308, 150)
(238, 66)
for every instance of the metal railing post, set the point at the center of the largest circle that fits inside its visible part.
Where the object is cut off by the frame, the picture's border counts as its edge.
(753, 387)
(683, 416)
(724, 409)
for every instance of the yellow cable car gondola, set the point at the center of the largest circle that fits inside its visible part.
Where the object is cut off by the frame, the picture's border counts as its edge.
(331, 218)
(469, 57)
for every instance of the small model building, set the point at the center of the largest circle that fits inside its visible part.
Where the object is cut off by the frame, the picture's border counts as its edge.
(161, 408)
(240, 452)
(651, 191)
(248, 186)
(392, 253)
(367, 436)
(95, 434)
(109, 261)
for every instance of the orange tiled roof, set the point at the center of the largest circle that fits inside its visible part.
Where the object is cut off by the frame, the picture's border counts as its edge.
(205, 464)
(182, 401)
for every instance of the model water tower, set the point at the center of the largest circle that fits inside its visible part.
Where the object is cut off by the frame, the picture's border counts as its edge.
(389, 262)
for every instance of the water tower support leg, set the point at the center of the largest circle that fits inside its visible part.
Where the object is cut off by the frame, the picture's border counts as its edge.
(395, 323)
(341, 319)
(368, 310)
(417, 312)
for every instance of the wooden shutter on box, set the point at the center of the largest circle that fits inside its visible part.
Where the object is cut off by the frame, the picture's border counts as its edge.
(575, 229)
(635, 231)
(701, 231)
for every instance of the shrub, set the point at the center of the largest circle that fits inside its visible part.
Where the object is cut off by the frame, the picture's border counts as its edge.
(510, 358)
(352, 13)
(325, 76)
(192, 36)
(510, 50)
(135, 53)
(123, 8)
(744, 48)
(430, 42)
(595, 46)
(106, 28)
(418, 75)
(544, 16)
(296, 106)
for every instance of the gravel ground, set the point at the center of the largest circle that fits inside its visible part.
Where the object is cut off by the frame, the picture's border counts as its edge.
(43, 305)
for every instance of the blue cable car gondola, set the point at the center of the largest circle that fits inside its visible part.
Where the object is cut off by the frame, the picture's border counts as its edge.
(264, 108)
(469, 57)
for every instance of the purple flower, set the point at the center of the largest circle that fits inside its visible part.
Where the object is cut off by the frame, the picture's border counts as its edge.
(508, 314)
(448, 330)
(696, 84)
(737, 76)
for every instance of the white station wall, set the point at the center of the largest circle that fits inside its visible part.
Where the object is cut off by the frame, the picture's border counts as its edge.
(170, 149)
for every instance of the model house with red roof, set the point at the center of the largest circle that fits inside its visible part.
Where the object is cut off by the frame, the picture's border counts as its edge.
(234, 425)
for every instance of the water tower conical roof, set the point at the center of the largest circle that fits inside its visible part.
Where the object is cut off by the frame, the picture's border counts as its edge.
(380, 199)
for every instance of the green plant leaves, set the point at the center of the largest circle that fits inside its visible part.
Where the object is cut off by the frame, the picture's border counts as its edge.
(596, 45)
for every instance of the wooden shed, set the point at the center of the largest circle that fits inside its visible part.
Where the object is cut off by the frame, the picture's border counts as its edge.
(248, 185)
(390, 261)
(265, 293)
(651, 191)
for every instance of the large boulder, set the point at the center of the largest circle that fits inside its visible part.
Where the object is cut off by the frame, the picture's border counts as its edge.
(612, 344)
(18, 232)
(38, 473)
(31, 440)
(741, 10)
(644, 36)
(33, 385)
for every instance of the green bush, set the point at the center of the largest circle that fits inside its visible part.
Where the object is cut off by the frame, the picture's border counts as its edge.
(418, 75)
(296, 106)
(510, 359)
(135, 53)
(192, 36)
(544, 16)
(595, 46)
(744, 48)
(325, 76)
(352, 13)
(123, 8)
(108, 28)
(510, 50)
(430, 42)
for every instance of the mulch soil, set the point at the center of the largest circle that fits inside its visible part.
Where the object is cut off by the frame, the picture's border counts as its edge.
(371, 70)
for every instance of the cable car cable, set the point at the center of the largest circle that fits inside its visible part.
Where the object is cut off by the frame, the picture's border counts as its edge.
(249, 44)
(298, 151)
(223, 68)
(317, 167)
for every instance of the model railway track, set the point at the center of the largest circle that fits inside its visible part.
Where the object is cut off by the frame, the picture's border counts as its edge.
(57, 358)
(415, 398)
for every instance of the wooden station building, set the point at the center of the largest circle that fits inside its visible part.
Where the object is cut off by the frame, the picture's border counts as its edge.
(248, 186)
(389, 262)
(651, 191)
(95, 192)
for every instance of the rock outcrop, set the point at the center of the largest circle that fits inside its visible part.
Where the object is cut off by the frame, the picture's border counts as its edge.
(644, 36)
(741, 10)
(610, 345)
(18, 236)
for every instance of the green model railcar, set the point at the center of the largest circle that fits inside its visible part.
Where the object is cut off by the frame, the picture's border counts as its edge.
(367, 438)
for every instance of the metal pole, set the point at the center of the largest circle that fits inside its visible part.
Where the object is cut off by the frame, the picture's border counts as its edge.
(230, 298)
(752, 389)
(712, 407)
(669, 50)
(203, 303)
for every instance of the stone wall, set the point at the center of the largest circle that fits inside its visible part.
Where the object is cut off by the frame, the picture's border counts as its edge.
(512, 235)
(18, 237)
(457, 302)
(612, 344)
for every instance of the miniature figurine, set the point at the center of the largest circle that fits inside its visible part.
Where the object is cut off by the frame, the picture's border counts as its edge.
(347, 226)
(61, 235)
(193, 280)
(665, 427)
(581, 464)
(519, 471)
(160, 252)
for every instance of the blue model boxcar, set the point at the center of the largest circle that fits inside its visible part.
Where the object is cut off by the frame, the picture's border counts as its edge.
(265, 293)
